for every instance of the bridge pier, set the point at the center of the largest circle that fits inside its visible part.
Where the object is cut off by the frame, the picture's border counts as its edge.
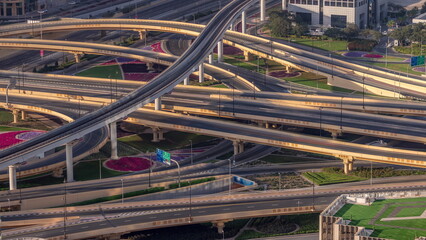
(157, 103)
(77, 57)
(113, 139)
(220, 51)
(15, 113)
(220, 226)
(12, 178)
(23, 115)
(231, 27)
(244, 22)
(348, 164)
(262, 10)
(155, 135)
(238, 147)
(150, 66)
(335, 133)
(69, 162)
(284, 5)
(288, 69)
(248, 56)
(201, 73)
(211, 58)
(142, 34)
(186, 81)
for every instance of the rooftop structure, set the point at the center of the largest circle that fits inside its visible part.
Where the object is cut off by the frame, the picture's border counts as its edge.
(338, 13)
(375, 216)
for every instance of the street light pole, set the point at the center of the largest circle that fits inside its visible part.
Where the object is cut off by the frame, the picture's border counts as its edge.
(230, 180)
(65, 209)
(178, 169)
(122, 191)
(279, 182)
(190, 203)
(320, 120)
(192, 161)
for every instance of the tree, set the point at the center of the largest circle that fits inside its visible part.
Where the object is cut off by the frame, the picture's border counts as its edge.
(280, 23)
(370, 34)
(334, 33)
(423, 9)
(391, 23)
(300, 29)
(351, 31)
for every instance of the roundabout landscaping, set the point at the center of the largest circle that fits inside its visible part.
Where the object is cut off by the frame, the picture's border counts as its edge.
(128, 164)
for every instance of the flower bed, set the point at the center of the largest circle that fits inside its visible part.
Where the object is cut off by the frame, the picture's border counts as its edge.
(12, 138)
(144, 77)
(369, 55)
(28, 135)
(419, 69)
(128, 164)
(353, 54)
(283, 74)
(156, 47)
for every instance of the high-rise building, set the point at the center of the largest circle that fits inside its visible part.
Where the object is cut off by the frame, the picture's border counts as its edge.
(14, 8)
(338, 13)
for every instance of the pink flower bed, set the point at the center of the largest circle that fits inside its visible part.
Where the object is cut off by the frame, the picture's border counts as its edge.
(419, 69)
(111, 62)
(283, 74)
(144, 77)
(12, 138)
(156, 47)
(372, 55)
(128, 164)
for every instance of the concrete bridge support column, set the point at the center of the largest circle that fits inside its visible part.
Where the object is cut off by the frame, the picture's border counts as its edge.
(231, 27)
(220, 226)
(334, 133)
(161, 135)
(238, 147)
(262, 10)
(248, 56)
(15, 116)
(288, 68)
(186, 81)
(155, 134)
(77, 57)
(201, 73)
(23, 115)
(241, 147)
(113, 139)
(211, 59)
(220, 51)
(284, 5)
(244, 22)
(150, 66)
(348, 164)
(12, 177)
(142, 34)
(157, 104)
(267, 125)
(69, 162)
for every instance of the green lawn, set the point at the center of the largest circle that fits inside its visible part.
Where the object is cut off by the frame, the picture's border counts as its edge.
(110, 71)
(314, 80)
(324, 178)
(174, 140)
(89, 170)
(397, 67)
(5, 117)
(308, 223)
(219, 86)
(362, 215)
(328, 45)
(410, 212)
(9, 129)
(287, 159)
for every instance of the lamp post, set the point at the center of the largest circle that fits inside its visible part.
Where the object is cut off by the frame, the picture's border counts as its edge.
(192, 161)
(100, 169)
(178, 169)
(320, 120)
(65, 209)
(41, 24)
(279, 182)
(230, 180)
(122, 191)
(190, 203)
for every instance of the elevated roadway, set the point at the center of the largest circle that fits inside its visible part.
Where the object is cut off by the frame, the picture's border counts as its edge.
(181, 69)
(354, 76)
(123, 218)
(271, 137)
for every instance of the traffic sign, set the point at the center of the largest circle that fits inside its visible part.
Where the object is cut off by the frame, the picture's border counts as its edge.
(417, 60)
(163, 156)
